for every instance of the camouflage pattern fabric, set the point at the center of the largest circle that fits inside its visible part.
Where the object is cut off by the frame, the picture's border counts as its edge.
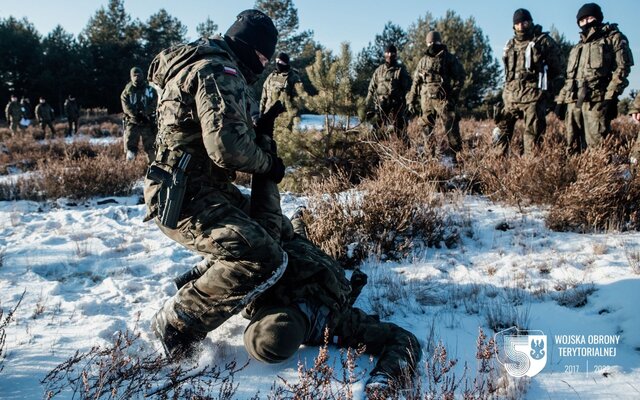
(437, 82)
(314, 294)
(13, 113)
(139, 106)
(597, 72)
(386, 98)
(286, 87)
(204, 110)
(533, 75)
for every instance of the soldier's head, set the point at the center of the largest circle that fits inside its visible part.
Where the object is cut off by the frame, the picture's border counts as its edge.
(253, 38)
(137, 76)
(42, 100)
(275, 333)
(589, 15)
(71, 97)
(434, 43)
(282, 62)
(390, 54)
(14, 97)
(522, 20)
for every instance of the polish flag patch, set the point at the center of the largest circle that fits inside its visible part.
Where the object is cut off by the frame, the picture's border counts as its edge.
(230, 71)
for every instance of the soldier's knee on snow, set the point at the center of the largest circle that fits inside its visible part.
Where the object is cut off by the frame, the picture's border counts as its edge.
(275, 334)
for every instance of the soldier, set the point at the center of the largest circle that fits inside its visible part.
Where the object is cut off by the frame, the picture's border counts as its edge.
(437, 82)
(45, 117)
(13, 113)
(533, 74)
(385, 102)
(283, 84)
(314, 295)
(27, 112)
(206, 134)
(139, 101)
(634, 155)
(597, 73)
(72, 111)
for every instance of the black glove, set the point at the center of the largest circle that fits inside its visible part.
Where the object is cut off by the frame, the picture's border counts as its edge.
(560, 111)
(264, 125)
(276, 172)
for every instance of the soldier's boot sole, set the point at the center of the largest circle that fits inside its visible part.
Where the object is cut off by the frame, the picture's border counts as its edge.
(176, 345)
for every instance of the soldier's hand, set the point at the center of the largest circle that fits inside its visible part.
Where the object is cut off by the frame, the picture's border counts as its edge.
(276, 172)
(635, 117)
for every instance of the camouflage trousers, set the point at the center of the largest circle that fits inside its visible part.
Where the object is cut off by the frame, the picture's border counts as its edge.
(242, 260)
(394, 118)
(535, 124)
(634, 155)
(434, 110)
(276, 332)
(587, 126)
(14, 124)
(72, 126)
(132, 135)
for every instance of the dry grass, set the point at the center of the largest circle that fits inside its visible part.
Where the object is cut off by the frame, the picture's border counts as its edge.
(5, 320)
(385, 215)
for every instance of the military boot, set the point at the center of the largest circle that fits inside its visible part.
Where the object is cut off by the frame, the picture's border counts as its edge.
(177, 345)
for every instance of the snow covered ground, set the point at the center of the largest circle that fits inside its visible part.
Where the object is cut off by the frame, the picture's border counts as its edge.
(90, 269)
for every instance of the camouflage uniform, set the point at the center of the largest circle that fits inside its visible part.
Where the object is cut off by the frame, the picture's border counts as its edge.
(634, 155)
(45, 117)
(312, 295)
(386, 97)
(287, 87)
(72, 111)
(533, 73)
(204, 110)
(437, 82)
(13, 113)
(139, 106)
(597, 72)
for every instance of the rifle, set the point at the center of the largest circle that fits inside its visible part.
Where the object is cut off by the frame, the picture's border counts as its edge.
(174, 185)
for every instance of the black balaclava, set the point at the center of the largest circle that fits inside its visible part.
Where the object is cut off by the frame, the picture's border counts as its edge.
(590, 10)
(393, 55)
(282, 62)
(519, 16)
(252, 30)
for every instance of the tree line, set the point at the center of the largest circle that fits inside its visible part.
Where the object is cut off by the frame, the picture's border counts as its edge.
(94, 65)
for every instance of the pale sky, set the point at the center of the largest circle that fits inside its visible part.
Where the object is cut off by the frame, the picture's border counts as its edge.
(336, 21)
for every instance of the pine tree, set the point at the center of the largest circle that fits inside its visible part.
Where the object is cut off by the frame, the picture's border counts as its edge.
(333, 77)
(372, 56)
(207, 28)
(20, 57)
(161, 31)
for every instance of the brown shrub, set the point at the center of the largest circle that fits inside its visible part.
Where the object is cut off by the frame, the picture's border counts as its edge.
(386, 215)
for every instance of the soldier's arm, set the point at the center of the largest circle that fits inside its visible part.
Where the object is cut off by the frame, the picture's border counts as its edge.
(227, 135)
(623, 61)
(265, 95)
(405, 80)
(458, 78)
(554, 61)
(371, 91)
(414, 93)
(127, 108)
(6, 111)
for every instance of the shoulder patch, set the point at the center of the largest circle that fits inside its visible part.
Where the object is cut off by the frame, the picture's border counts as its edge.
(230, 71)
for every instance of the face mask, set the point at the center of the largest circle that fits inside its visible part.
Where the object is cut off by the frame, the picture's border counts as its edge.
(525, 34)
(435, 49)
(391, 58)
(586, 28)
(282, 67)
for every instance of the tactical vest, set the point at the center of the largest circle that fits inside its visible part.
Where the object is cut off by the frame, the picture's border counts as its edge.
(435, 72)
(592, 62)
(526, 69)
(388, 82)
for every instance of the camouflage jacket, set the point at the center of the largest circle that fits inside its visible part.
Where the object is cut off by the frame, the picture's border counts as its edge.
(204, 110)
(388, 86)
(598, 66)
(284, 86)
(139, 103)
(71, 109)
(13, 111)
(437, 77)
(44, 112)
(532, 67)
